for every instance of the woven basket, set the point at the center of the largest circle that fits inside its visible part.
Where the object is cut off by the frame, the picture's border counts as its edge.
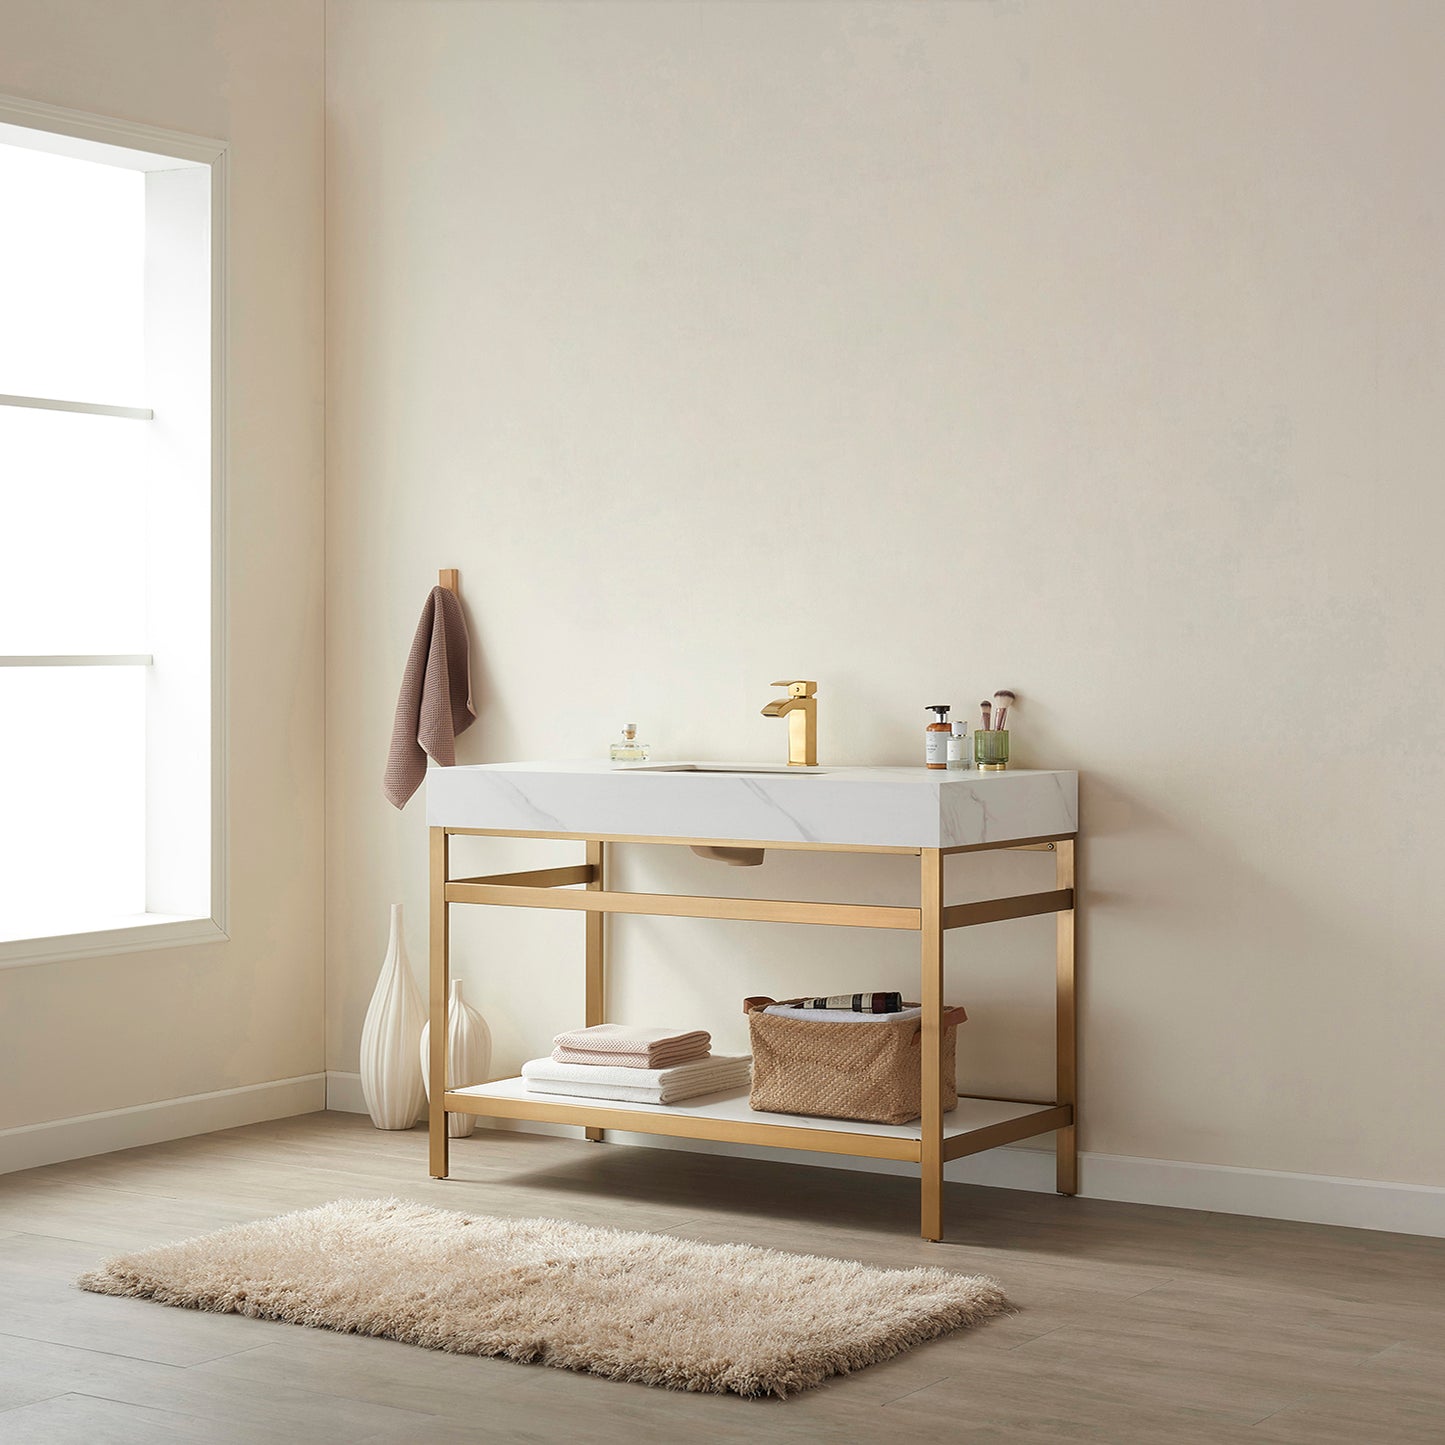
(868, 1071)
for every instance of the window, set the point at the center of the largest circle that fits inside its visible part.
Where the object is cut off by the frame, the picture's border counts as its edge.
(110, 764)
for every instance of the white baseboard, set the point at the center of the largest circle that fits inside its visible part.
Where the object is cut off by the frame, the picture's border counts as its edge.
(344, 1096)
(343, 1093)
(1267, 1193)
(1220, 1188)
(31, 1145)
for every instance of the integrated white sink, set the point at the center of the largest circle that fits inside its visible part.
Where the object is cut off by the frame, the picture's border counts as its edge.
(756, 803)
(743, 768)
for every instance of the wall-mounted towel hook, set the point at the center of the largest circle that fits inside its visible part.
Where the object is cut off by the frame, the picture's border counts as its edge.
(447, 578)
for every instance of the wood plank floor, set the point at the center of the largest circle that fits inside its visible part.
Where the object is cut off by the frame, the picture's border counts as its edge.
(1133, 1324)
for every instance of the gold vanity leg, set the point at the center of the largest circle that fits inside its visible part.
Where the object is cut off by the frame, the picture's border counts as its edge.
(596, 1001)
(1066, 1147)
(439, 988)
(931, 1155)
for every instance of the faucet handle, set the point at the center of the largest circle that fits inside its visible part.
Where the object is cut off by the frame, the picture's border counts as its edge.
(797, 689)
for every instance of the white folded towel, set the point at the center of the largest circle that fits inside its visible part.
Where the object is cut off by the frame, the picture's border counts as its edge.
(680, 1093)
(721, 1065)
(710, 1075)
(840, 1015)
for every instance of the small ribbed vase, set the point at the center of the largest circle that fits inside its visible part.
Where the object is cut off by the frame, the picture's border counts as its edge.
(469, 1055)
(390, 1079)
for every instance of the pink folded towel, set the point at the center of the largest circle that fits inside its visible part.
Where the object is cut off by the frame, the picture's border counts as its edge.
(631, 1046)
(435, 703)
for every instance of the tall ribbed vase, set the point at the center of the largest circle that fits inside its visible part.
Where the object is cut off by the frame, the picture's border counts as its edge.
(469, 1055)
(390, 1079)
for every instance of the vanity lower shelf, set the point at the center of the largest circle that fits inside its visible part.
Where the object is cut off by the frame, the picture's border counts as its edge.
(948, 829)
(975, 1125)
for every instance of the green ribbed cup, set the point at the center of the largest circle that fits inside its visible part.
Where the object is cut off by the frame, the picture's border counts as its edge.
(990, 750)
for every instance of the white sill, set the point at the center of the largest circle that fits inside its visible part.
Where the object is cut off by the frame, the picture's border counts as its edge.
(134, 933)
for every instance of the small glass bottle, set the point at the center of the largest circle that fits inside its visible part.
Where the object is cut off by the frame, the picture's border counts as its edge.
(959, 753)
(628, 749)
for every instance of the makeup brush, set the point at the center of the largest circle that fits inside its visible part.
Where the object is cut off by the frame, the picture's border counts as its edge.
(985, 709)
(1003, 700)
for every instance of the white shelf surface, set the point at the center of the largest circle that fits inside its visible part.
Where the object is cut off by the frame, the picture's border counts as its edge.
(732, 1107)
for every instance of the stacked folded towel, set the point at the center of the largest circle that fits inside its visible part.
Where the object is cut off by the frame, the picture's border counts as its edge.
(630, 1046)
(712, 1074)
(636, 1065)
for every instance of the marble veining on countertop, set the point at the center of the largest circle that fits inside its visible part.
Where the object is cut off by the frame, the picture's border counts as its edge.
(908, 807)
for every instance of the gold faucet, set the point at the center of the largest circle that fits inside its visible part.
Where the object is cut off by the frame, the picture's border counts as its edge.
(801, 709)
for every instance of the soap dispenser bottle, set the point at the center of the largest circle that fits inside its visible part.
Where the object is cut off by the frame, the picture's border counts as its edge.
(936, 735)
(627, 749)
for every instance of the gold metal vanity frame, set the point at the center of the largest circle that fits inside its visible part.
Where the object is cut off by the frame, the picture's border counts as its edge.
(928, 1145)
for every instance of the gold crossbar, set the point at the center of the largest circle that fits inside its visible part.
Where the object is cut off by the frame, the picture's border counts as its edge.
(995, 910)
(1016, 845)
(756, 910)
(769, 843)
(538, 877)
(1008, 1132)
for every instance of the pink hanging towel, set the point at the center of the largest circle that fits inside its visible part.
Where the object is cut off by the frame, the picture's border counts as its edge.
(435, 703)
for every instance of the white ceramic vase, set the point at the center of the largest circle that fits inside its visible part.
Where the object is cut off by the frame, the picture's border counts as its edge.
(469, 1055)
(391, 1081)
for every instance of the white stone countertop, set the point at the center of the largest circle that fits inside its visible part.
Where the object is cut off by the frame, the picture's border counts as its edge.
(888, 807)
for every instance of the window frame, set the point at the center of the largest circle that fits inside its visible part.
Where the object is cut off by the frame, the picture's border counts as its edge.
(75, 133)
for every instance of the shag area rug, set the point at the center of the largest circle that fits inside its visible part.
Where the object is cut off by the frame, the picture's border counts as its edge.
(640, 1307)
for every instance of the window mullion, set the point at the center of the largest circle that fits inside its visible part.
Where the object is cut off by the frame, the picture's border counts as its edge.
(78, 659)
(86, 408)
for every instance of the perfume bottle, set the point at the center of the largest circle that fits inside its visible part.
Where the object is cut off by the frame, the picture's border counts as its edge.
(959, 755)
(628, 749)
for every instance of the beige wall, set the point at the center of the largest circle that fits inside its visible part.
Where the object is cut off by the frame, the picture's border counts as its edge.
(101, 1034)
(1093, 350)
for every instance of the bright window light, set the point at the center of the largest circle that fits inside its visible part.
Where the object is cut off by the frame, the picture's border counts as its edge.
(107, 473)
(74, 785)
(72, 257)
(73, 543)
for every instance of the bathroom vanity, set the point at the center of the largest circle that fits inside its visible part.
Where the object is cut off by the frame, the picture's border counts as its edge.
(930, 815)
